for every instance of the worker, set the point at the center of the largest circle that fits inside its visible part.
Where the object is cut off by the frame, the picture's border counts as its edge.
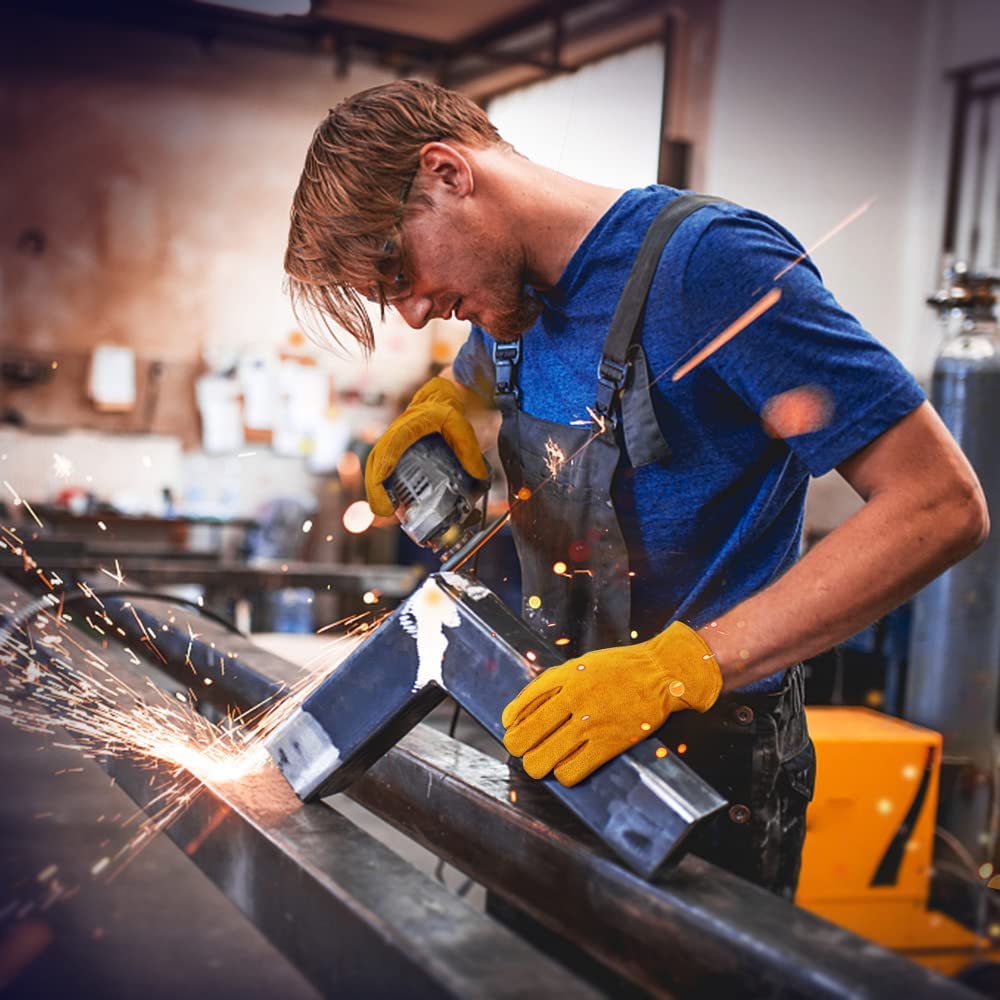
(670, 371)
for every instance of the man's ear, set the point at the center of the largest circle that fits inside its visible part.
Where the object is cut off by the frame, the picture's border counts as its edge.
(445, 170)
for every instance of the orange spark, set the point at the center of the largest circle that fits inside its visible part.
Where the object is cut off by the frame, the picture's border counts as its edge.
(833, 232)
(737, 326)
(554, 457)
(801, 410)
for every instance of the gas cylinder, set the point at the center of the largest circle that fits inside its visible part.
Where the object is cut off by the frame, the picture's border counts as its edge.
(953, 676)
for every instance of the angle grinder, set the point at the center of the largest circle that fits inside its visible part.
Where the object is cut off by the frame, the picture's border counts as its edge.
(435, 498)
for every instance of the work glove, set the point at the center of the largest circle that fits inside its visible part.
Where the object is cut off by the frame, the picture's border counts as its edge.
(577, 716)
(437, 408)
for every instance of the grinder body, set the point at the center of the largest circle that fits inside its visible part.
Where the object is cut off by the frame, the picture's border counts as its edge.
(435, 498)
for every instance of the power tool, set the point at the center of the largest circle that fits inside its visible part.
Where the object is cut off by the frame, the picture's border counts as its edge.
(435, 498)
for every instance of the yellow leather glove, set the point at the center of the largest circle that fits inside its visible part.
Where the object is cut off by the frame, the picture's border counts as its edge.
(578, 715)
(437, 408)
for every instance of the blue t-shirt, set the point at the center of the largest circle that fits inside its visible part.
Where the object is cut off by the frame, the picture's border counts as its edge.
(722, 518)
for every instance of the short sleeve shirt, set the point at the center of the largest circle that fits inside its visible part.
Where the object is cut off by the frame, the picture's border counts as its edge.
(791, 395)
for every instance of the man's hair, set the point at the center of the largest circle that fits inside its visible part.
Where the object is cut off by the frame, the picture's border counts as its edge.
(349, 199)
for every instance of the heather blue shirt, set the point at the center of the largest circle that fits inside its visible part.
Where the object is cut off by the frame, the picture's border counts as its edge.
(723, 517)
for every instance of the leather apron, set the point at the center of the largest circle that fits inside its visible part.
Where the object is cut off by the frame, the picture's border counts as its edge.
(754, 748)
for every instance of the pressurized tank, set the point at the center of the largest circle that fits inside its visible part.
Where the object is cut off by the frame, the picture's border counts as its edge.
(953, 677)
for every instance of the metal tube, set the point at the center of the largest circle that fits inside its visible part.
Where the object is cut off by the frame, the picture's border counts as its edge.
(454, 635)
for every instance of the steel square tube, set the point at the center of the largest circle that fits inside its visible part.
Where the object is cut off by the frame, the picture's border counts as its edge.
(696, 930)
(454, 635)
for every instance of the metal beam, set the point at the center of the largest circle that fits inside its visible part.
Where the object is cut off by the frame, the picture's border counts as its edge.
(454, 635)
(350, 914)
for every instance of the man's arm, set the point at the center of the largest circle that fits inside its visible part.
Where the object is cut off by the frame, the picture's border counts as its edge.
(924, 510)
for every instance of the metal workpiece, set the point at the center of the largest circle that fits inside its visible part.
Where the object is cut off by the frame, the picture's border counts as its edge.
(349, 913)
(694, 931)
(356, 920)
(455, 635)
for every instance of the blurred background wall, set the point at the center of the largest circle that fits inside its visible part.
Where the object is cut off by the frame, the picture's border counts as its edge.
(148, 177)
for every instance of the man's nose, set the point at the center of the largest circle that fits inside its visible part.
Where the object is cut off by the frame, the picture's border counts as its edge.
(415, 310)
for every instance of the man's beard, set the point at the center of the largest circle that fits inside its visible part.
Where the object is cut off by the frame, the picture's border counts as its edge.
(508, 324)
(515, 307)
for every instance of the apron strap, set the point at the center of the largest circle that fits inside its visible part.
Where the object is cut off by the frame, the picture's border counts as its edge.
(643, 439)
(623, 364)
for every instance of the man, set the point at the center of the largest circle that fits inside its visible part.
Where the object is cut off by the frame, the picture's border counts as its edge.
(670, 371)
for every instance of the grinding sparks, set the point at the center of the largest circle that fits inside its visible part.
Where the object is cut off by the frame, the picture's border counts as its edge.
(737, 326)
(54, 681)
(833, 232)
(19, 501)
(802, 410)
(62, 467)
(77, 691)
(358, 518)
(14, 494)
(555, 458)
(118, 576)
(595, 420)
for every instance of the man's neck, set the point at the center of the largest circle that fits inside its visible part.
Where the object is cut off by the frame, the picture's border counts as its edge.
(549, 213)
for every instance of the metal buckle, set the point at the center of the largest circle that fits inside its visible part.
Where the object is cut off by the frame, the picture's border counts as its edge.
(505, 360)
(611, 377)
(612, 374)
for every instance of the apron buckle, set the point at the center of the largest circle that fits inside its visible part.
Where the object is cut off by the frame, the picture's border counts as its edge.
(611, 376)
(506, 358)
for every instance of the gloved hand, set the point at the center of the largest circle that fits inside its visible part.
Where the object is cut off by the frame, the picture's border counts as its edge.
(437, 408)
(580, 714)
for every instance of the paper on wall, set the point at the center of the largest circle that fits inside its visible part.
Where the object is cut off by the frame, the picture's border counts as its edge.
(111, 385)
(221, 414)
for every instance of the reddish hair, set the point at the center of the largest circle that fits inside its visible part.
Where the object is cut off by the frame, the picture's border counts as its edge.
(347, 204)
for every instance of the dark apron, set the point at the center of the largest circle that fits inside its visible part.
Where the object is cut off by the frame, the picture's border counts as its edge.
(570, 519)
